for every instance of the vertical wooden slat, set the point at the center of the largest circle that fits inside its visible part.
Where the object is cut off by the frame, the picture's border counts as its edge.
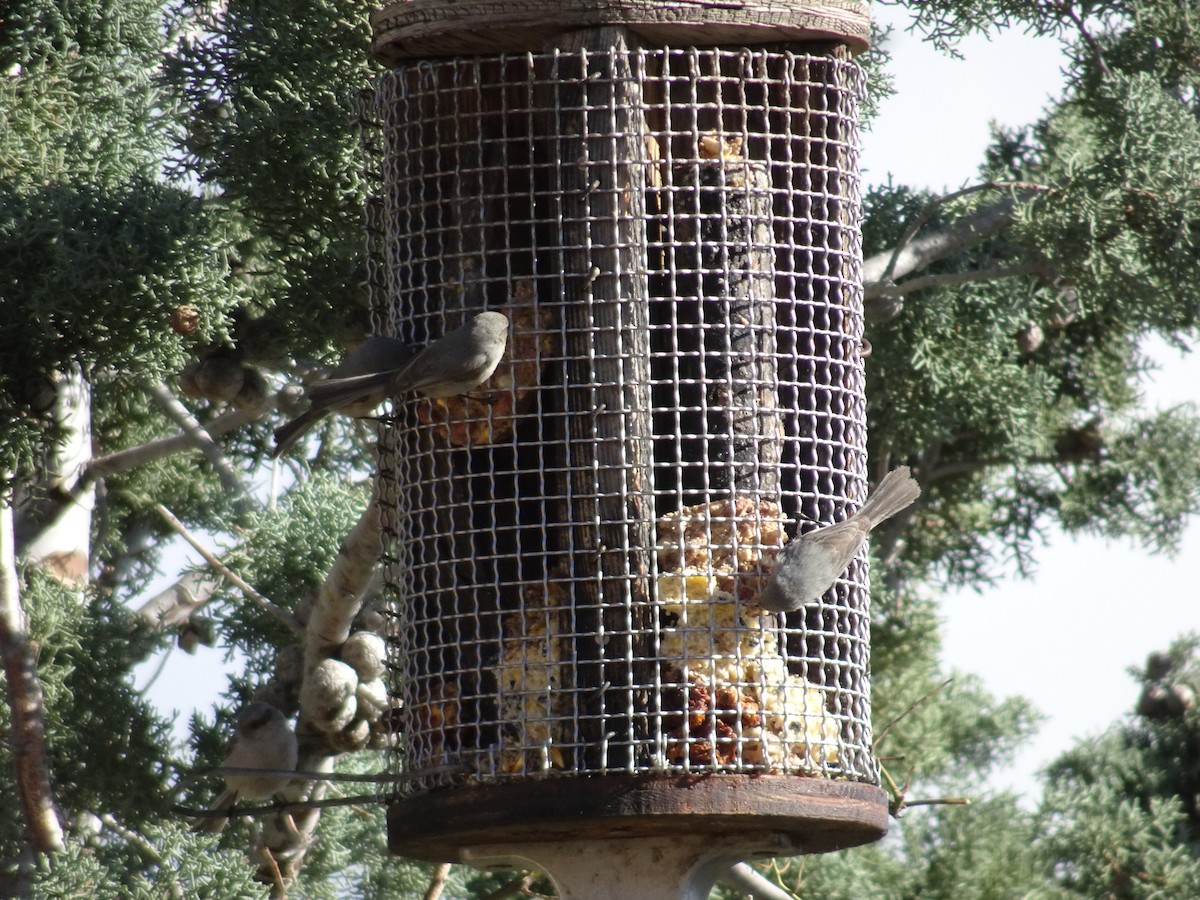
(601, 205)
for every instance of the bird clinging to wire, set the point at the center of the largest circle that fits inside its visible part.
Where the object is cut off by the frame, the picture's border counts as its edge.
(810, 563)
(376, 354)
(262, 740)
(455, 363)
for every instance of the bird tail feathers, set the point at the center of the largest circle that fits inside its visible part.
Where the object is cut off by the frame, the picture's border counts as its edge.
(338, 392)
(216, 824)
(287, 435)
(896, 492)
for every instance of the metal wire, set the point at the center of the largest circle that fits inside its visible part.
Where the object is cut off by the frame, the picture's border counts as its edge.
(576, 550)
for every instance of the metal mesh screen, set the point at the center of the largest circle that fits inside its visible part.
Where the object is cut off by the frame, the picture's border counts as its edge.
(576, 548)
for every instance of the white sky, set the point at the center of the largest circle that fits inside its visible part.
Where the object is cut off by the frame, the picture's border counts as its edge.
(1065, 638)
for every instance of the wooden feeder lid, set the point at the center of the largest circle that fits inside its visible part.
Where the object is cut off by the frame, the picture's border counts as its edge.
(414, 29)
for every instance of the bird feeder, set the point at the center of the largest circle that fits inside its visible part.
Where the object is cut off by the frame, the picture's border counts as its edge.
(664, 200)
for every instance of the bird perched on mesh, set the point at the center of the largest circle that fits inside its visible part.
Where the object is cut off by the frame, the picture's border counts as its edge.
(809, 565)
(454, 364)
(377, 354)
(262, 740)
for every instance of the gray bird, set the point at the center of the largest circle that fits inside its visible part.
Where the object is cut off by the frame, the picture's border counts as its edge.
(377, 354)
(262, 740)
(454, 364)
(810, 563)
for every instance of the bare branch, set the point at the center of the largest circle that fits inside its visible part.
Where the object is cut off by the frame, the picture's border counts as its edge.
(54, 531)
(945, 279)
(340, 596)
(913, 253)
(914, 225)
(132, 457)
(27, 734)
(280, 614)
(339, 599)
(888, 541)
(1088, 38)
(921, 252)
(147, 849)
(909, 709)
(278, 885)
(287, 834)
(200, 438)
(438, 882)
(971, 466)
(288, 826)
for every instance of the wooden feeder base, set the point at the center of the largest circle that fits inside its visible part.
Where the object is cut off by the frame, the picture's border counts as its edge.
(812, 815)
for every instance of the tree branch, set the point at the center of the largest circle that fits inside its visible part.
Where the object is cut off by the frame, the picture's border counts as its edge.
(920, 252)
(926, 213)
(913, 253)
(280, 614)
(937, 688)
(945, 279)
(148, 850)
(437, 883)
(56, 501)
(132, 457)
(1088, 38)
(339, 599)
(200, 438)
(340, 596)
(27, 736)
(54, 531)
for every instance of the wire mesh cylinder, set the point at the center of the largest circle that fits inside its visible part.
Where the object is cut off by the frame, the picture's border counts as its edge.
(577, 548)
